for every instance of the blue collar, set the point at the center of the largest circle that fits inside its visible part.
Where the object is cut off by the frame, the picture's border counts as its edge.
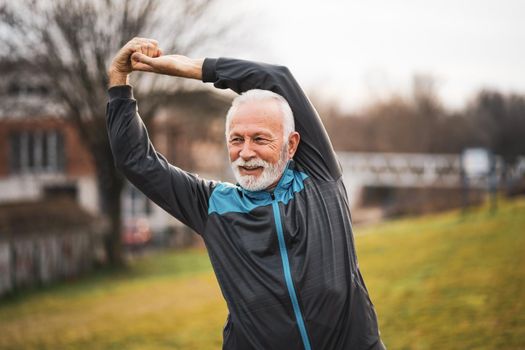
(228, 198)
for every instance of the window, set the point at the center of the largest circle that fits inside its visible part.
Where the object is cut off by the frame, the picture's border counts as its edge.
(37, 151)
(17, 88)
(135, 203)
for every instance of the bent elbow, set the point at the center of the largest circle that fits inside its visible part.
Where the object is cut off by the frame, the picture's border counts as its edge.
(282, 72)
(124, 163)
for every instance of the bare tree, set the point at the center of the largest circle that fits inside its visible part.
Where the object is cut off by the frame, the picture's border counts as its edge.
(498, 121)
(69, 44)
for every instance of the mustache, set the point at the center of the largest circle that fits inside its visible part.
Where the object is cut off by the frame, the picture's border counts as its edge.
(255, 162)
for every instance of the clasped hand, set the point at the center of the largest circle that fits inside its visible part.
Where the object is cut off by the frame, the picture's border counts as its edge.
(141, 54)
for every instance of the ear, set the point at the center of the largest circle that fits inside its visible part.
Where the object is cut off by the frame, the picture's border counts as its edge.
(293, 143)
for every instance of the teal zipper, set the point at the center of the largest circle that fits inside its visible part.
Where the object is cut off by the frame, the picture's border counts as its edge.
(288, 274)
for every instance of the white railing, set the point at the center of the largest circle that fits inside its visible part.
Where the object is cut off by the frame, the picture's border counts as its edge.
(415, 169)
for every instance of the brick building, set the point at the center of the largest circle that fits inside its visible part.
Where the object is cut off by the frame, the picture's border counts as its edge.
(42, 155)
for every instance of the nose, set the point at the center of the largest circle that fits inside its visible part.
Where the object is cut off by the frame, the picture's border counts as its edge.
(247, 152)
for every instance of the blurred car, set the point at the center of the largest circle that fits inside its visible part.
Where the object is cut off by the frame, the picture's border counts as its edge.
(136, 232)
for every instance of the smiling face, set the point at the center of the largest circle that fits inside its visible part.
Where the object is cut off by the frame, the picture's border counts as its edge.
(257, 148)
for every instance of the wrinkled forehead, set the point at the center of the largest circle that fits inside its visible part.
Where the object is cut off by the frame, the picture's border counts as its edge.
(254, 115)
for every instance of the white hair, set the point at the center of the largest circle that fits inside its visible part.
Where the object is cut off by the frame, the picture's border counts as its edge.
(263, 95)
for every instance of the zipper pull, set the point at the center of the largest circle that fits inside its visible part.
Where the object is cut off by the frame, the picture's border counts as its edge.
(272, 195)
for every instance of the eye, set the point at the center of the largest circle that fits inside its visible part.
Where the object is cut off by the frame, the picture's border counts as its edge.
(236, 140)
(260, 140)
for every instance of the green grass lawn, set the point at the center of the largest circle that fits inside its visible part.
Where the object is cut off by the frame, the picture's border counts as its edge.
(438, 282)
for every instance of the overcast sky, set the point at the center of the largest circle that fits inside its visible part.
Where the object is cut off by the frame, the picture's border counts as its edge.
(356, 51)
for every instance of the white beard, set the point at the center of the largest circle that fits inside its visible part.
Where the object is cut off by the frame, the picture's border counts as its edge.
(270, 173)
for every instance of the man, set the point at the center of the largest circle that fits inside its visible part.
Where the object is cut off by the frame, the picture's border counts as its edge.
(281, 241)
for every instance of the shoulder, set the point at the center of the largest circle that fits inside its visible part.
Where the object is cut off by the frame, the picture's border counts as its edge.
(225, 198)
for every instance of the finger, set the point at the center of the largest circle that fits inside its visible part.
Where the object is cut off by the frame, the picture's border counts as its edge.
(143, 41)
(158, 53)
(153, 42)
(139, 41)
(142, 67)
(150, 50)
(137, 48)
(135, 43)
(138, 57)
(137, 65)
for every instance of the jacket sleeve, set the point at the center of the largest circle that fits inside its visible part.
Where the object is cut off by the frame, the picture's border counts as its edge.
(315, 153)
(183, 195)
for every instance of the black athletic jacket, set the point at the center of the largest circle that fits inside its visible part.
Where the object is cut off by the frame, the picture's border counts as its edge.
(285, 260)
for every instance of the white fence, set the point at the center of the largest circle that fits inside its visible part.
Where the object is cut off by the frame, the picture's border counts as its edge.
(38, 259)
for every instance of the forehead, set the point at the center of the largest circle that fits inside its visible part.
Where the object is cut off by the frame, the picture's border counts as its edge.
(256, 116)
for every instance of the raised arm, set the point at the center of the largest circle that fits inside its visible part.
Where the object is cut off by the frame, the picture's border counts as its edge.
(183, 195)
(315, 152)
